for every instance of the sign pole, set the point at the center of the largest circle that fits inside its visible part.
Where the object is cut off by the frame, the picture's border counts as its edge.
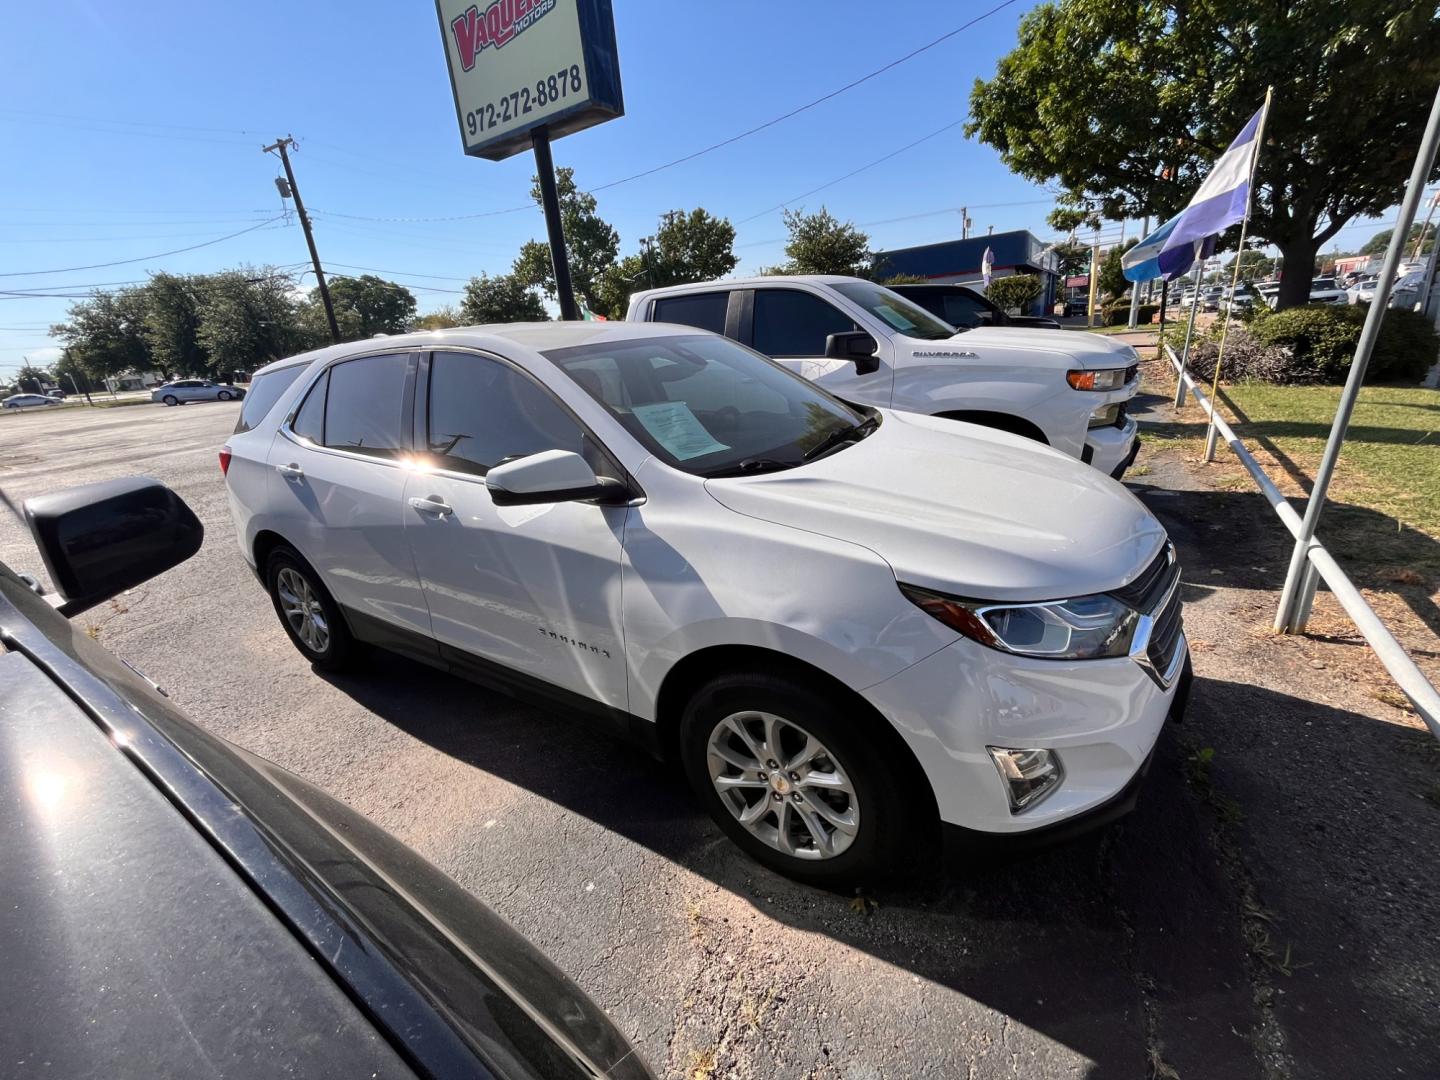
(1296, 596)
(550, 200)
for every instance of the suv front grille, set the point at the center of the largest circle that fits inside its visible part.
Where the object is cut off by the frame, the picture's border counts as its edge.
(1156, 594)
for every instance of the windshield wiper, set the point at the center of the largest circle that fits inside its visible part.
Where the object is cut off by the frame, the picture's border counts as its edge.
(840, 437)
(752, 465)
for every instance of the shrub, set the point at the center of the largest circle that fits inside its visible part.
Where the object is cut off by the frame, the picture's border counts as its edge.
(1246, 358)
(1117, 313)
(1321, 341)
(1014, 291)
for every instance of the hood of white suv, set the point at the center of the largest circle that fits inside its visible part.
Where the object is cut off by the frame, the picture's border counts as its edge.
(964, 510)
(1060, 348)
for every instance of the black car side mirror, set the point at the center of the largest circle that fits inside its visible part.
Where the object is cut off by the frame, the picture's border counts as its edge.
(856, 346)
(98, 540)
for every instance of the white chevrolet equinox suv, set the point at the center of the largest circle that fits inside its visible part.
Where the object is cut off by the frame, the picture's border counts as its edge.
(846, 625)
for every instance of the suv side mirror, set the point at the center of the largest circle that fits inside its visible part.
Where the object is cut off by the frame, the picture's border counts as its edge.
(98, 540)
(550, 476)
(856, 346)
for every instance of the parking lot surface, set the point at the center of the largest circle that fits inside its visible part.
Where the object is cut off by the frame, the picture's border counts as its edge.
(1291, 934)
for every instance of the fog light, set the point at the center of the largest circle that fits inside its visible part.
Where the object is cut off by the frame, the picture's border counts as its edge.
(1029, 775)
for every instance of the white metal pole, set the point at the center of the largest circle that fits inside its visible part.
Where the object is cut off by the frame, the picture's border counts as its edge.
(1189, 333)
(1135, 287)
(1288, 618)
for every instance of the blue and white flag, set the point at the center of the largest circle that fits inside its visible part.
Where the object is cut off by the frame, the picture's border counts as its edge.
(1224, 197)
(1220, 202)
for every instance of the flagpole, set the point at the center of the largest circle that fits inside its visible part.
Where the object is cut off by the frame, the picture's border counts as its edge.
(1189, 333)
(1210, 432)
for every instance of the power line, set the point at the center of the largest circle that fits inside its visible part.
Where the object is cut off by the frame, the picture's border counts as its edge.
(808, 105)
(142, 258)
(397, 273)
(129, 123)
(853, 172)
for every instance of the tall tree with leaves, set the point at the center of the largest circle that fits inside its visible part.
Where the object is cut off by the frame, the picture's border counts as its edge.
(442, 318)
(1128, 103)
(820, 243)
(1112, 272)
(172, 324)
(31, 379)
(1377, 244)
(501, 299)
(591, 243)
(248, 317)
(686, 247)
(105, 334)
(378, 306)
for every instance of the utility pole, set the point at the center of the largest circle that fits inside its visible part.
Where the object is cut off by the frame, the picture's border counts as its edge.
(964, 223)
(282, 145)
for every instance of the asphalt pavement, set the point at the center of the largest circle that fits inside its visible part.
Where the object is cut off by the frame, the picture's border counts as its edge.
(1128, 953)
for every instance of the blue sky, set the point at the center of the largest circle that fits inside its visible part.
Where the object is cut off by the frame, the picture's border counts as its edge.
(134, 129)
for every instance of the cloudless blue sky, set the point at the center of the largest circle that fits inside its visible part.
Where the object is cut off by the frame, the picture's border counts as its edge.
(136, 128)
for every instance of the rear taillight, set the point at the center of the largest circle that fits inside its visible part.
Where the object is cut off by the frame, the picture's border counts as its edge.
(224, 461)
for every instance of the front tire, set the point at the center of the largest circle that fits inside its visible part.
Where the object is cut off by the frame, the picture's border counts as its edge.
(797, 778)
(170, 399)
(223, 395)
(307, 611)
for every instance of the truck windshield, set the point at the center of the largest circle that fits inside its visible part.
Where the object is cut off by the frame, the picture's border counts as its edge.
(705, 404)
(895, 311)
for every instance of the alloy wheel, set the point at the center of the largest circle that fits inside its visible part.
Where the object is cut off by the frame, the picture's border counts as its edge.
(300, 604)
(783, 785)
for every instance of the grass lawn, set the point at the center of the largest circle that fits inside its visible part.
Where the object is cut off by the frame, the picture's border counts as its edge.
(1387, 482)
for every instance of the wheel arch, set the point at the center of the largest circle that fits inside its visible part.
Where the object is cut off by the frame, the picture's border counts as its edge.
(1016, 425)
(695, 669)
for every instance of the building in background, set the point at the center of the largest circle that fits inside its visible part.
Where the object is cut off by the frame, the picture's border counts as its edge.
(1016, 252)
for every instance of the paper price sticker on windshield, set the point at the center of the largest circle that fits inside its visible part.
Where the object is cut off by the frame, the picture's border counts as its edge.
(677, 429)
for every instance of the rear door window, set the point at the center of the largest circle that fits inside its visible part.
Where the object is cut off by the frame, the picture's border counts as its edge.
(793, 323)
(364, 405)
(706, 311)
(309, 421)
(265, 391)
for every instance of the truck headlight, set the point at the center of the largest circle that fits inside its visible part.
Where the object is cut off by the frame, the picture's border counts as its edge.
(1082, 628)
(1106, 379)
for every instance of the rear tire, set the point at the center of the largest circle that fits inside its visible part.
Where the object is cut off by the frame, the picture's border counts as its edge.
(841, 816)
(307, 611)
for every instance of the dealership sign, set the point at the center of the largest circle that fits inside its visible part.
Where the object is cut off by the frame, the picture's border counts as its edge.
(516, 65)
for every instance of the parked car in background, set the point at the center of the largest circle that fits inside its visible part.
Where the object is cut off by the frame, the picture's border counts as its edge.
(1075, 306)
(1242, 300)
(182, 390)
(1268, 291)
(26, 401)
(776, 592)
(56, 393)
(1362, 291)
(1210, 298)
(966, 308)
(869, 345)
(177, 907)
(1325, 291)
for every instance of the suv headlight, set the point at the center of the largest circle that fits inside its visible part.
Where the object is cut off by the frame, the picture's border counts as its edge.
(1105, 379)
(1082, 628)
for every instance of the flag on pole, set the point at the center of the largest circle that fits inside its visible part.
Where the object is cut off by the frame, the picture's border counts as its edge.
(1222, 200)
(1142, 262)
(586, 315)
(987, 266)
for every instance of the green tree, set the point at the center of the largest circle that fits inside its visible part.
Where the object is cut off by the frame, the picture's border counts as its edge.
(379, 306)
(1014, 291)
(822, 244)
(1377, 244)
(1073, 258)
(501, 299)
(248, 317)
(1127, 105)
(1112, 272)
(105, 334)
(686, 247)
(1255, 265)
(31, 379)
(172, 324)
(591, 243)
(442, 318)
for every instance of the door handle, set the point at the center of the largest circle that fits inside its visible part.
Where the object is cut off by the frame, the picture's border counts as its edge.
(291, 471)
(433, 505)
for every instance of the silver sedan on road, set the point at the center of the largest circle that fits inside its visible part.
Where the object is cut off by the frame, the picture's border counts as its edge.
(182, 390)
(24, 401)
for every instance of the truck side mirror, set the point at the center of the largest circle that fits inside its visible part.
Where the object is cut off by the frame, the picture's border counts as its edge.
(856, 346)
(98, 540)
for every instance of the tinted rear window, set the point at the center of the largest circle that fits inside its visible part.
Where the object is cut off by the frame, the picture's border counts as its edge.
(364, 403)
(706, 311)
(264, 392)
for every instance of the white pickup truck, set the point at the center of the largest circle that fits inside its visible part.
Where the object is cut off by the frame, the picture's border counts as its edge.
(871, 346)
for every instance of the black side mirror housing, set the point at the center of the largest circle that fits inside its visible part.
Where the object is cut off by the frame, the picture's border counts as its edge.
(98, 540)
(856, 346)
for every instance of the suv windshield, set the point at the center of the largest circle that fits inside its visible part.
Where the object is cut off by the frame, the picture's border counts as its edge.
(705, 404)
(895, 311)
